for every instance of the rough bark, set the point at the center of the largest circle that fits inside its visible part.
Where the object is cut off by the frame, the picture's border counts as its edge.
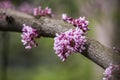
(48, 27)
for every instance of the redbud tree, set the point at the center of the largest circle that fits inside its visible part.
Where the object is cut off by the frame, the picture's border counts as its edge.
(69, 35)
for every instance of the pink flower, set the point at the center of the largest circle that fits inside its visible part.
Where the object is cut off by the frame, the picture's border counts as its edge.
(68, 19)
(111, 71)
(37, 11)
(64, 16)
(42, 12)
(69, 42)
(81, 22)
(28, 36)
(48, 11)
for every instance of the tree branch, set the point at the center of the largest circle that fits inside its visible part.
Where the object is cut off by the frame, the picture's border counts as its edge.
(48, 27)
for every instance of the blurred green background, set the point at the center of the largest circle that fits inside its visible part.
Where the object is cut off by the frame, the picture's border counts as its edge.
(42, 63)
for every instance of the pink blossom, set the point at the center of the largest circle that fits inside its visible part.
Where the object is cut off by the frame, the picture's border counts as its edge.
(42, 12)
(36, 11)
(48, 11)
(111, 71)
(81, 22)
(64, 16)
(28, 36)
(69, 42)
(68, 19)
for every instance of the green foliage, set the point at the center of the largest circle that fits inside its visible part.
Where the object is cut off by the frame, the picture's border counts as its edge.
(43, 64)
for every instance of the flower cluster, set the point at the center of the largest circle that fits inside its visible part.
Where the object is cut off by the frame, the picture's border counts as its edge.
(28, 36)
(42, 12)
(81, 22)
(69, 42)
(111, 71)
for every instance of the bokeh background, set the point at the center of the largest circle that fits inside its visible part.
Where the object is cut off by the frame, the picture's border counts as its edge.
(42, 63)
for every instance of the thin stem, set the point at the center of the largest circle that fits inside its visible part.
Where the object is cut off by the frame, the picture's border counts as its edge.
(5, 51)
